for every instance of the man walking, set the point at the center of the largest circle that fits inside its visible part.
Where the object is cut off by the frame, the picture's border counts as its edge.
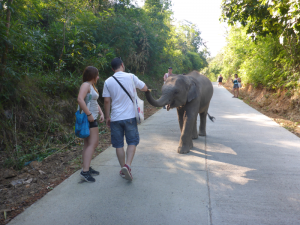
(169, 73)
(118, 94)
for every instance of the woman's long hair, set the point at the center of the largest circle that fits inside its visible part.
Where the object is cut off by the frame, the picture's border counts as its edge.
(90, 73)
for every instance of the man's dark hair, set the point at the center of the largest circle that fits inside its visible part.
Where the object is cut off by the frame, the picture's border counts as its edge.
(116, 63)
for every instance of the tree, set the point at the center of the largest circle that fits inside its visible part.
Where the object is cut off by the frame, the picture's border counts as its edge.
(276, 17)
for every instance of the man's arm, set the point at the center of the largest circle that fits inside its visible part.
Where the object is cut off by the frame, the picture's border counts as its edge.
(107, 101)
(140, 84)
(145, 88)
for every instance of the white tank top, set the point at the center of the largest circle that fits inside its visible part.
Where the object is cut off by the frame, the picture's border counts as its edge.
(91, 102)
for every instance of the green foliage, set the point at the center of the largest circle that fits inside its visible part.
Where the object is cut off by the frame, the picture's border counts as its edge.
(195, 60)
(213, 70)
(263, 62)
(273, 60)
(276, 17)
(65, 36)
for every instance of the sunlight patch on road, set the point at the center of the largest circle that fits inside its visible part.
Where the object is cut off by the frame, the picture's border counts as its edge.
(295, 200)
(220, 148)
(292, 144)
(262, 120)
(189, 162)
(279, 143)
(235, 174)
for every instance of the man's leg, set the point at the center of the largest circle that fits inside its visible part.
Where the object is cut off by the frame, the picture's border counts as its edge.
(121, 156)
(117, 140)
(126, 169)
(132, 139)
(130, 154)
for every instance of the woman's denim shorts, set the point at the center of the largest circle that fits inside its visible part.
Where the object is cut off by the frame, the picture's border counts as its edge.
(127, 127)
(235, 86)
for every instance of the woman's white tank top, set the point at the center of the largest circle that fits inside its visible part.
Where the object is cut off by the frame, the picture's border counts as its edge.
(91, 102)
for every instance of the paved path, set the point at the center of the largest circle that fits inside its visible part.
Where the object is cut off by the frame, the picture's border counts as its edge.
(246, 171)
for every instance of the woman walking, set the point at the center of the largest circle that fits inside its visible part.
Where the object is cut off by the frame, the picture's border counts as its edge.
(220, 79)
(235, 88)
(87, 100)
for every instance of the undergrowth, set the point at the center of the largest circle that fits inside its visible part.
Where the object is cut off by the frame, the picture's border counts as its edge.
(39, 120)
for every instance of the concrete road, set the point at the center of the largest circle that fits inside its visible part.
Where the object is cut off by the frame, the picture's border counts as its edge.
(246, 171)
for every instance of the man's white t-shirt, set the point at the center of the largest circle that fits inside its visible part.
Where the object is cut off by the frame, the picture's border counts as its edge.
(122, 107)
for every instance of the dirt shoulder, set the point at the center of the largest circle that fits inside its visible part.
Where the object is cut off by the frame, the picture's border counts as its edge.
(20, 189)
(282, 105)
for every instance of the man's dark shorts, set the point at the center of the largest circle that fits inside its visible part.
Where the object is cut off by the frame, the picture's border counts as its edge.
(127, 127)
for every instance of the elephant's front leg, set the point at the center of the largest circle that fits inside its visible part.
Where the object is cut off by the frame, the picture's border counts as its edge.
(195, 133)
(186, 142)
(180, 114)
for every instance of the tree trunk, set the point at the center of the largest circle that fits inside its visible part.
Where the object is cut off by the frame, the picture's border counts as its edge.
(4, 56)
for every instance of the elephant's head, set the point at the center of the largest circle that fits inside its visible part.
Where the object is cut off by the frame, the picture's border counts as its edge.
(177, 91)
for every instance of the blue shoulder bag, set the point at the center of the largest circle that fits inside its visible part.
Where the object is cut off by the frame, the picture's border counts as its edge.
(82, 125)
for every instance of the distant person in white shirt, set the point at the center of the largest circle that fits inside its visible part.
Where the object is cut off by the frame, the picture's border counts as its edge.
(169, 73)
(122, 119)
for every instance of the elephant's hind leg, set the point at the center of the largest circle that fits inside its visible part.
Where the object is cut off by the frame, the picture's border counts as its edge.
(202, 127)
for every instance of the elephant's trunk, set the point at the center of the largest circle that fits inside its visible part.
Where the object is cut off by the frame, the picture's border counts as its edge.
(157, 103)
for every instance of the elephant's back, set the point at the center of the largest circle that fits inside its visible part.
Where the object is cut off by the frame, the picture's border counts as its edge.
(203, 81)
(206, 89)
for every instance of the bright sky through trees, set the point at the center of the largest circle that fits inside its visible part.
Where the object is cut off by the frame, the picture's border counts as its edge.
(205, 14)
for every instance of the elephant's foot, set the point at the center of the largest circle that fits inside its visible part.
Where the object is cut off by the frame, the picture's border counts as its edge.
(183, 149)
(202, 133)
(195, 136)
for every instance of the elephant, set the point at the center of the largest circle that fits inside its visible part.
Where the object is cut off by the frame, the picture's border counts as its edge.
(190, 94)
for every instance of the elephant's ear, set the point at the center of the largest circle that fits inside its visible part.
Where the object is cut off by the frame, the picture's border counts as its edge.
(192, 92)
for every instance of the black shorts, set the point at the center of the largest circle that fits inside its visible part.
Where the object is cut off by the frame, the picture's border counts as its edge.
(93, 124)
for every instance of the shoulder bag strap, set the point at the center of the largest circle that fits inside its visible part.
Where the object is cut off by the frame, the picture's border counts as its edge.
(123, 88)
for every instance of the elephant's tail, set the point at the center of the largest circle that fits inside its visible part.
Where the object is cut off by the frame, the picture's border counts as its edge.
(211, 118)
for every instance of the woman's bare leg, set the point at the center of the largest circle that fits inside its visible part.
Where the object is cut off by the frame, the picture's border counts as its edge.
(85, 145)
(90, 143)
